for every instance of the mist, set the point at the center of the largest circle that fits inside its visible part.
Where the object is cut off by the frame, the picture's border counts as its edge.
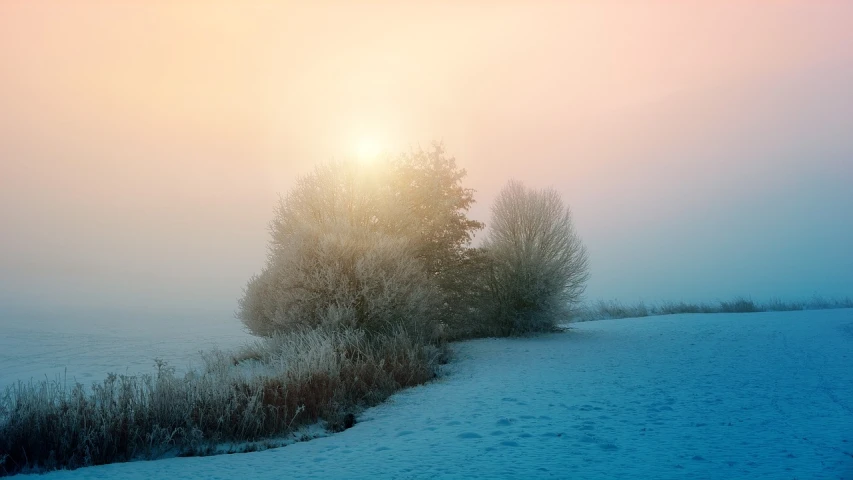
(705, 150)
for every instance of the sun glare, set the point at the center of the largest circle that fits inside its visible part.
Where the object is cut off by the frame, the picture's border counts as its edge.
(367, 149)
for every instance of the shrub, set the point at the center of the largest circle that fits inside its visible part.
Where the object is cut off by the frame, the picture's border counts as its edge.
(467, 298)
(342, 278)
(537, 263)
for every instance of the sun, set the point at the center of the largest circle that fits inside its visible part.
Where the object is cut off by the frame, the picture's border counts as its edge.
(367, 149)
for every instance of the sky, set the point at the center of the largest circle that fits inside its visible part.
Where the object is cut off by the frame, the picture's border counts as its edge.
(704, 147)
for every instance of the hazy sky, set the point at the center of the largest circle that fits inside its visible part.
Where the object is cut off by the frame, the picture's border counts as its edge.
(706, 148)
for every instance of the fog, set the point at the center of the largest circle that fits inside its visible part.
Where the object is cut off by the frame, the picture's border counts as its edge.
(705, 150)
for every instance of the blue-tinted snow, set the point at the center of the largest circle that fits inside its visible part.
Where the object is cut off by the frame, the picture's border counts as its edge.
(767, 395)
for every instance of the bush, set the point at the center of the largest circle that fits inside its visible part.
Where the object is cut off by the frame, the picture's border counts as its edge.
(468, 304)
(292, 380)
(537, 264)
(370, 247)
(341, 278)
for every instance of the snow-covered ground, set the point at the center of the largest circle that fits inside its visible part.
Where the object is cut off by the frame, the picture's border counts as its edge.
(765, 395)
(39, 345)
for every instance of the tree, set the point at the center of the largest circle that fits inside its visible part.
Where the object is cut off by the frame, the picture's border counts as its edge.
(429, 183)
(366, 246)
(538, 264)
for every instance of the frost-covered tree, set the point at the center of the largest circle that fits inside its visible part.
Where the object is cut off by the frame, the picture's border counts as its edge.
(366, 246)
(538, 264)
(340, 276)
(429, 184)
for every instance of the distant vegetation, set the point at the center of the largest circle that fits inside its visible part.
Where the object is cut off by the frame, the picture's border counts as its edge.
(370, 273)
(603, 310)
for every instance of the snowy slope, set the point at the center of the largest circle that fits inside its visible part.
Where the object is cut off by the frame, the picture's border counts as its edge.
(766, 395)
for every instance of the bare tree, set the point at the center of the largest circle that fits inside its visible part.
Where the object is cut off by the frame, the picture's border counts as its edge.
(539, 265)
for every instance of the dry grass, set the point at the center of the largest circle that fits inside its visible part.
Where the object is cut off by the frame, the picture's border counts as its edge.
(603, 310)
(267, 391)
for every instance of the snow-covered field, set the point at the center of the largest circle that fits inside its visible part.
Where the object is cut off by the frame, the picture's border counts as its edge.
(78, 347)
(764, 395)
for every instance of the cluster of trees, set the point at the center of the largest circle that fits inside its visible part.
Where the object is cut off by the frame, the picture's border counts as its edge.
(388, 245)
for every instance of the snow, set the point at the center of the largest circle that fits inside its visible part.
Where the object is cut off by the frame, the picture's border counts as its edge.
(763, 395)
(78, 348)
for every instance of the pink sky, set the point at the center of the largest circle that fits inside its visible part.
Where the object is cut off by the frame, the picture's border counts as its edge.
(705, 147)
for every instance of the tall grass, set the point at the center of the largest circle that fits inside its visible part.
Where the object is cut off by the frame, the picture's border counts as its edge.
(602, 310)
(268, 390)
